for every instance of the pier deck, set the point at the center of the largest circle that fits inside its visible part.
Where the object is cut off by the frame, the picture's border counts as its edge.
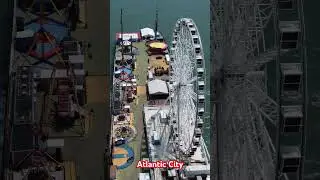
(140, 72)
(88, 153)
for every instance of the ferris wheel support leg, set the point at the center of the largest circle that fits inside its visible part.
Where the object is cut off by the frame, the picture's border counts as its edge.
(217, 146)
(55, 8)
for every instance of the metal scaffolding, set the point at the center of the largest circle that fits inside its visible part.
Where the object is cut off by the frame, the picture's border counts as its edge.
(42, 57)
(260, 89)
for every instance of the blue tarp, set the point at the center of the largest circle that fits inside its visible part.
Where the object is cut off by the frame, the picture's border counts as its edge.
(123, 73)
(125, 70)
(59, 31)
(45, 47)
(54, 29)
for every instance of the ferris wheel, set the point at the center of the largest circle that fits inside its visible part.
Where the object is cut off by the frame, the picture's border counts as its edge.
(187, 90)
(250, 124)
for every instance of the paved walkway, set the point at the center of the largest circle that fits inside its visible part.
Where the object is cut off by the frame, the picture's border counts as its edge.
(88, 153)
(140, 72)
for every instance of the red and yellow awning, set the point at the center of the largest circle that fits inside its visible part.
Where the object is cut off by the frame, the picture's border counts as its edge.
(158, 45)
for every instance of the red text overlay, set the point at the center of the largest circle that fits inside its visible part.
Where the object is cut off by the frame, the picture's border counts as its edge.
(160, 164)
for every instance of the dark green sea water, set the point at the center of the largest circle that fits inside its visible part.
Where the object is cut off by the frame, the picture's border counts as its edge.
(138, 14)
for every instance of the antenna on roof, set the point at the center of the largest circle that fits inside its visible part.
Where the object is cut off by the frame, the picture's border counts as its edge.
(131, 46)
(156, 23)
(121, 24)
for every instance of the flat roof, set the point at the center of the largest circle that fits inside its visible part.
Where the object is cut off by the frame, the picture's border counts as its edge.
(144, 176)
(157, 87)
(147, 32)
(152, 125)
(128, 36)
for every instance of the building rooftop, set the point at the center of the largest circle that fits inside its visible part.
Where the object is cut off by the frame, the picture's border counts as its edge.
(157, 86)
(198, 162)
(144, 176)
(147, 32)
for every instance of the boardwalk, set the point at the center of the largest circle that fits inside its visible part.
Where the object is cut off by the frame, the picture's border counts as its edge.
(140, 72)
(88, 152)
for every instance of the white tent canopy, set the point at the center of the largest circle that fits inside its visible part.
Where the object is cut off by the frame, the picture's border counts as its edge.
(157, 87)
(147, 32)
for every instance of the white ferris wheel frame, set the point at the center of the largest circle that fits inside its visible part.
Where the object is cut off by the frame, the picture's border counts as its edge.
(186, 60)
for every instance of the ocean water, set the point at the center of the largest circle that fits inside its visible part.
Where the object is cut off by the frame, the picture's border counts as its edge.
(138, 14)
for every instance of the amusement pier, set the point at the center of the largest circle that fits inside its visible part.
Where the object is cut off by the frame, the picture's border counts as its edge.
(146, 104)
